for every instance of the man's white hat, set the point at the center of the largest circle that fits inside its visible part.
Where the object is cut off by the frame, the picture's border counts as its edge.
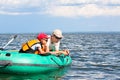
(57, 33)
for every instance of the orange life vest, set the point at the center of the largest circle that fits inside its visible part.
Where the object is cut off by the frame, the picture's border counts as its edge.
(26, 47)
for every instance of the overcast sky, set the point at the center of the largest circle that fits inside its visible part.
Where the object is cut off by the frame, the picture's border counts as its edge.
(31, 16)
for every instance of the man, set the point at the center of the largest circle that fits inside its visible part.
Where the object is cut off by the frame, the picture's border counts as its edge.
(54, 42)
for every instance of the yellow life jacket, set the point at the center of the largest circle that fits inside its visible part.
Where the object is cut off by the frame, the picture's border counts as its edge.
(26, 47)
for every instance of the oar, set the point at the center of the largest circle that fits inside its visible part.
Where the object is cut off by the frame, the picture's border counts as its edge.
(8, 42)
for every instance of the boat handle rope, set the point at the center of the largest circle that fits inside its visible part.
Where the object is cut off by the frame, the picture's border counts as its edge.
(4, 64)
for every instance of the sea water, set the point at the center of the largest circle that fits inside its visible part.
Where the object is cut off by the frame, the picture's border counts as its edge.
(95, 56)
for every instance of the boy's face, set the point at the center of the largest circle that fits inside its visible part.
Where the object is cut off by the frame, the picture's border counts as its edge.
(44, 41)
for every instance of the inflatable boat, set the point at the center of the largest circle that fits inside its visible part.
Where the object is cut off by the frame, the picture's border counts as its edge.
(14, 62)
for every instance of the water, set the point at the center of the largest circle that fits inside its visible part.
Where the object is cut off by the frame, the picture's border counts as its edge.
(95, 56)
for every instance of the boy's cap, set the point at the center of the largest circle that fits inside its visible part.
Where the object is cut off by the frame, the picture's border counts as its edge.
(42, 36)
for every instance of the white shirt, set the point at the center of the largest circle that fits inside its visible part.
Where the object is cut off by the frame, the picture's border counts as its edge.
(35, 47)
(53, 45)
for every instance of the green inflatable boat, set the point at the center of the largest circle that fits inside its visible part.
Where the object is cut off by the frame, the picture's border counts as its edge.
(14, 62)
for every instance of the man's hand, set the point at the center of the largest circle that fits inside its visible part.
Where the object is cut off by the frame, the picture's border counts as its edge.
(66, 51)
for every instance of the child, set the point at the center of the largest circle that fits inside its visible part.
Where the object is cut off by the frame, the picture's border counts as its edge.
(37, 46)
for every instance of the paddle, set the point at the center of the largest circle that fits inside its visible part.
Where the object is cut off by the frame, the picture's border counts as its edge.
(8, 42)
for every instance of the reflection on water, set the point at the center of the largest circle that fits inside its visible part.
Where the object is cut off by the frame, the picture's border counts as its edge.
(53, 75)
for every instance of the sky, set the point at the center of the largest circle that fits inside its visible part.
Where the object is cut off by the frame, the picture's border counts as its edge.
(33, 16)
